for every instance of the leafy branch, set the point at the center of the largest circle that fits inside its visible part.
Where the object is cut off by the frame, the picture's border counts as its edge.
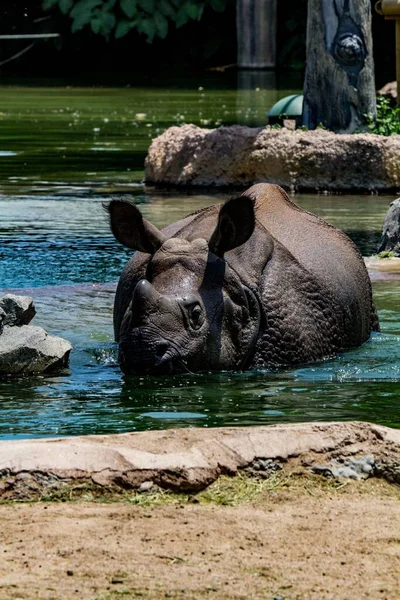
(387, 121)
(117, 18)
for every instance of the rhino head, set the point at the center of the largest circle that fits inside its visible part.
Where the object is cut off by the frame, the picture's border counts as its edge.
(190, 311)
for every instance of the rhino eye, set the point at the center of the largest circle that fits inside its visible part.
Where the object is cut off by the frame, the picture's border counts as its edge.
(195, 316)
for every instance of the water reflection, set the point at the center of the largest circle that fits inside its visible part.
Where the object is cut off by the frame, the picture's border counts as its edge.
(96, 138)
(256, 94)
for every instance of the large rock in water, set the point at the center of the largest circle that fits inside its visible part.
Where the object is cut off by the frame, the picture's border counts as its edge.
(25, 349)
(29, 349)
(18, 310)
(390, 240)
(295, 160)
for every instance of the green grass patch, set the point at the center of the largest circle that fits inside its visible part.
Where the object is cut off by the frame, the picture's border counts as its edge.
(225, 491)
(387, 254)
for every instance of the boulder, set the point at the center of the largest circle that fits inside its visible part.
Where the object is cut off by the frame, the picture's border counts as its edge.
(25, 349)
(296, 160)
(390, 240)
(19, 310)
(28, 349)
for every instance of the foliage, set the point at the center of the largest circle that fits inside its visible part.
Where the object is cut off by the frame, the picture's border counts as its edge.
(117, 18)
(387, 254)
(292, 25)
(387, 120)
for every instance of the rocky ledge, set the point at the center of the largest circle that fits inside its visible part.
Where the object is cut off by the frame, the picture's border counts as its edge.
(25, 349)
(296, 160)
(189, 460)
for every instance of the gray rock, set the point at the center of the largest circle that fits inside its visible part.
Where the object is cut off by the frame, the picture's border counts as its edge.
(389, 470)
(19, 310)
(263, 468)
(390, 240)
(351, 468)
(146, 486)
(28, 349)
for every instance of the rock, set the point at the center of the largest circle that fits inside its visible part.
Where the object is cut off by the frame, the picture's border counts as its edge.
(351, 468)
(390, 240)
(146, 486)
(27, 349)
(389, 90)
(296, 160)
(262, 468)
(19, 310)
(389, 470)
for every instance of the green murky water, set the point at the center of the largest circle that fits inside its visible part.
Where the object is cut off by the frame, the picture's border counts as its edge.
(63, 151)
(91, 139)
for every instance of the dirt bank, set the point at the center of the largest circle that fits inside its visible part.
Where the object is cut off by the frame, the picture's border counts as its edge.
(291, 537)
(235, 513)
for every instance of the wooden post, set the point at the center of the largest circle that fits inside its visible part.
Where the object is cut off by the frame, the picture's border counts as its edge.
(390, 9)
(398, 60)
(339, 87)
(256, 33)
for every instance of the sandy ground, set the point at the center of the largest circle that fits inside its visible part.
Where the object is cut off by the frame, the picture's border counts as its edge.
(312, 542)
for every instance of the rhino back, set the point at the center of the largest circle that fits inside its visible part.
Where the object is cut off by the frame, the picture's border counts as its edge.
(322, 250)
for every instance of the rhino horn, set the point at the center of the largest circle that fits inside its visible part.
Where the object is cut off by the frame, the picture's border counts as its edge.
(145, 299)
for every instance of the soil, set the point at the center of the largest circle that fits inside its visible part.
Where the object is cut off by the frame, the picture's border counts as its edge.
(306, 540)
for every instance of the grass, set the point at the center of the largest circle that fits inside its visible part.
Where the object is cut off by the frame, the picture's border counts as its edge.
(387, 254)
(225, 491)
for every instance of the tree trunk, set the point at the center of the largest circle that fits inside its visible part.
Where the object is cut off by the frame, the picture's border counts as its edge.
(339, 87)
(256, 33)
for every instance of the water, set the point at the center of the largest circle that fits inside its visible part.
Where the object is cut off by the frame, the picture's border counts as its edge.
(55, 245)
(91, 139)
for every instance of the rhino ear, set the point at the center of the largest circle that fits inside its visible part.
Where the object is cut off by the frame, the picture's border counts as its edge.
(131, 229)
(235, 225)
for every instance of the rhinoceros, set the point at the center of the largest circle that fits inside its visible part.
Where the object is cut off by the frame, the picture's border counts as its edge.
(254, 283)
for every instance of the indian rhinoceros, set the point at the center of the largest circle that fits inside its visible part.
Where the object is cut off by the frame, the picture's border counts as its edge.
(255, 283)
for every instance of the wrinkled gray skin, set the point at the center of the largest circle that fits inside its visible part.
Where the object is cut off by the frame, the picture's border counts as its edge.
(390, 240)
(255, 283)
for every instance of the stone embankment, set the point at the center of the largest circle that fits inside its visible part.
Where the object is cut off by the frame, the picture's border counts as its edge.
(25, 349)
(189, 460)
(296, 160)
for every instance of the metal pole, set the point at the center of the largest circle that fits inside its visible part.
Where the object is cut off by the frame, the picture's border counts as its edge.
(398, 60)
(29, 36)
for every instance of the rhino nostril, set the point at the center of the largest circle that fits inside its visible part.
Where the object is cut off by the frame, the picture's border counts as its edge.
(161, 351)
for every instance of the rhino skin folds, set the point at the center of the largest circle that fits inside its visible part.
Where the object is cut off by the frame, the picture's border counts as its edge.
(255, 283)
